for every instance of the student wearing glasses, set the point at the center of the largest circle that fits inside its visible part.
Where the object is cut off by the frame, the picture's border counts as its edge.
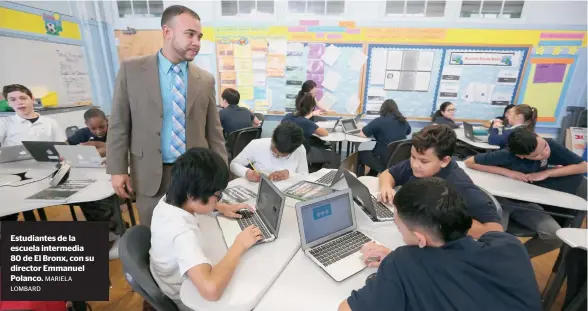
(279, 156)
(446, 115)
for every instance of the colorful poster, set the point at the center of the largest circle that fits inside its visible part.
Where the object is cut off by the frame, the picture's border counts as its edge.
(259, 78)
(549, 73)
(242, 51)
(224, 49)
(259, 45)
(316, 50)
(226, 63)
(259, 93)
(276, 65)
(228, 77)
(246, 92)
(315, 66)
(243, 64)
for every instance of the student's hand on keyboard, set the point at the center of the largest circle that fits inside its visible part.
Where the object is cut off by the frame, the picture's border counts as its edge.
(374, 253)
(230, 210)
(279, 175)
(386, 195)
(252, 175)
(248, 237)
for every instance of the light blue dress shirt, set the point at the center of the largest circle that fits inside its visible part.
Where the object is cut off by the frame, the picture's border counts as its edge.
(165, 83)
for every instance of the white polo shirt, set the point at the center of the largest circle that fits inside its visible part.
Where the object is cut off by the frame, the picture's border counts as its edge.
(176, 246)
(14, 129)
(259, 152)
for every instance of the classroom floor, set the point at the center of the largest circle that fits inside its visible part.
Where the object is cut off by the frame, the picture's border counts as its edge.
(123, 298)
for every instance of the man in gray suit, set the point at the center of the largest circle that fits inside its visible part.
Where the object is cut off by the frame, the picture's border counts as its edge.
(163, 105)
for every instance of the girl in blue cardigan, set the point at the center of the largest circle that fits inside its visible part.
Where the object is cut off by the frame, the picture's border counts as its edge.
(520, 115)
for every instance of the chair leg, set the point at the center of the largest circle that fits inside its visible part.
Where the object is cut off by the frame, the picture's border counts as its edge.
(73, 212)
(131, 212)
(42, 214)
(579, 301)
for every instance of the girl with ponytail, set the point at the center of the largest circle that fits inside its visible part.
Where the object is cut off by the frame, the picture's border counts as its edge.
(309, 87)
(520, 115)
(445, 115)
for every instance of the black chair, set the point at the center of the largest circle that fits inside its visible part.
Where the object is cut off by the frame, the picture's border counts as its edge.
(134, 254)
(494, 201)
(401, 152)
(70, 130)
(237, 140)
(259, 117)
(392, 147)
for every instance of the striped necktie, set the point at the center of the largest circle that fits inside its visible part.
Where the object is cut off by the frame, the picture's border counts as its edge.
(178, 141)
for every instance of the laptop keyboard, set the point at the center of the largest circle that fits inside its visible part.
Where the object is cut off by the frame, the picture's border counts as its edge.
(326, 179)
(250, 219)
(382, 211)
(335, 250)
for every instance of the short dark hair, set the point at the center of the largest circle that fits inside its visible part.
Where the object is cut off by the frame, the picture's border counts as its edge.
(15, 87)
(92, 113)
(175, 10)
(305, 105)
(522, 141)
(440, 137)
(287, 137)
(435, 205)
(232, 96)
(197, 174)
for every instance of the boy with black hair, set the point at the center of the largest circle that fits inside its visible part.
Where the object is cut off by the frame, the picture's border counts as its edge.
(94, 134)
(279, 156)
(431, 153)
(198, 178)
(233, 117)
(531, 158)
(441, 267)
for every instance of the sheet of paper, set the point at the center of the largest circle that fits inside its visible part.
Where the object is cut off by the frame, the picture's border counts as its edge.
(423, 78)
(246, 92)
(425, 62)
(484, 92)
(243, 65)
(245, 78)
(259, 93)
(259, 45)
(392, 80)
(204, 63)
(226, 63)
(295, 49)
(407, 80)
(328, 100)
(410, 60)
(228, 77)
(357, 60)
(448, 90)
(242, 50)
(206, 47)
(378, 67)
(258, 64)
(276, 65)
(278, 46)
(352, 103)
(394, 60)
(507, 77)
(331, 80)
(469, 93)
(549, 73)
(331, 55)
(259, 78)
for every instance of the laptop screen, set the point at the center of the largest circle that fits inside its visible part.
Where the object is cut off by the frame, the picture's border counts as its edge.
(269, 203)
(348, 125)
(326, 217)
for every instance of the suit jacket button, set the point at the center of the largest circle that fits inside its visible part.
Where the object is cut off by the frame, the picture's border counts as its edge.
(159, 150)
(161, 116)
(158, 133)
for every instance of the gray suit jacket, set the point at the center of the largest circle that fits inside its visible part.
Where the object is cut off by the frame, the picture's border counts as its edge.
(136, 120)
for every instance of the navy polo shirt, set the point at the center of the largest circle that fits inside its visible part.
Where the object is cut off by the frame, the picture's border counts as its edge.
(83, 136)
(234, 118)
(480, 207)
(385, 130)
(307, 126)
(492, 273)
(445, 121)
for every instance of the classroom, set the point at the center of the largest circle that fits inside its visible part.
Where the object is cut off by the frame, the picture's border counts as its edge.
(298, 155)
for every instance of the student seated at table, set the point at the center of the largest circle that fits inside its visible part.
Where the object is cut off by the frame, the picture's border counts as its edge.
(521, 115)
(198, 178)
(279, 156)
(310, 87)
(431, 153)
(445, 115)
(94, 134)
(502, 118)
(315, 148)
(233, 117)
(390, 126)
(26, 124)
(442, 268)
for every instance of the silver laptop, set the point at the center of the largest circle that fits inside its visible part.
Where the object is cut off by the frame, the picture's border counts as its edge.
(267, 216)
(332, 177)
(377, 211)
(332, 129)
(80, 156)
(14, 153)
(468, 131)
(329, 235)
(350, 127)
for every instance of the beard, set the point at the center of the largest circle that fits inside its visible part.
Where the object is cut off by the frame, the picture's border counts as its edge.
(186, 54)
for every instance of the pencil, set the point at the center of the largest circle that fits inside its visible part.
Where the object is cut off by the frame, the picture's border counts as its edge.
(253, 167)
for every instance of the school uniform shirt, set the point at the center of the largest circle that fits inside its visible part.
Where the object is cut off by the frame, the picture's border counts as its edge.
(497, 139)
(259, 152)
(490, 274)
(307, 126)
(176, 246)
(385, 130)
(480, 207)
(446, 121)
(234, 118)
(83, 136)
(14, 129)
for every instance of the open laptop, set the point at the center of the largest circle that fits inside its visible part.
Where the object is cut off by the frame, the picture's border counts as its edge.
(13, 154)
(267, 216)
(332, 129)
(80, 156)
(329, 236)
(468, 130)
(350, 127)
(43, 151)
(332, 177)
(358, 117)
(377, 211)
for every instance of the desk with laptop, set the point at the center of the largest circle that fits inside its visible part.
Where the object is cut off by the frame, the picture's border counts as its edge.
(466, 135)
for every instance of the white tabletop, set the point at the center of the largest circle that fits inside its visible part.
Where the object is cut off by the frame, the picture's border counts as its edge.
(505, 187)
(461, 136)
(357, 139)
(574, 237)
(338, 134)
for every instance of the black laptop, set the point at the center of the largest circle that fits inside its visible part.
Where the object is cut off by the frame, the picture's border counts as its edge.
(43, 151)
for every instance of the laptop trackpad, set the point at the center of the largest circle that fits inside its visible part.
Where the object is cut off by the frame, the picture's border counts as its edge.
(346, 267)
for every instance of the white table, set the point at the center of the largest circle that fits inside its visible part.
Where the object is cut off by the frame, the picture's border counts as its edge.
(461, 136)
(574, 237)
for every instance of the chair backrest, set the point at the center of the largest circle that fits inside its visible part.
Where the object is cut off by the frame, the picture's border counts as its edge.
(392, 146)
(259, 116)
(244, 137)
(70, 130)
(134, 254)
(494, 201)
(400, 153)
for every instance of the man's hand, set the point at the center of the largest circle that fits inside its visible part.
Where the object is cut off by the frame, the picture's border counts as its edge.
(279, 175)
(538, 176)
(374, 253)
(230, 210)
(252, 175)
(518, 176)
(122, 185)
(248, 237)
(386, 195)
